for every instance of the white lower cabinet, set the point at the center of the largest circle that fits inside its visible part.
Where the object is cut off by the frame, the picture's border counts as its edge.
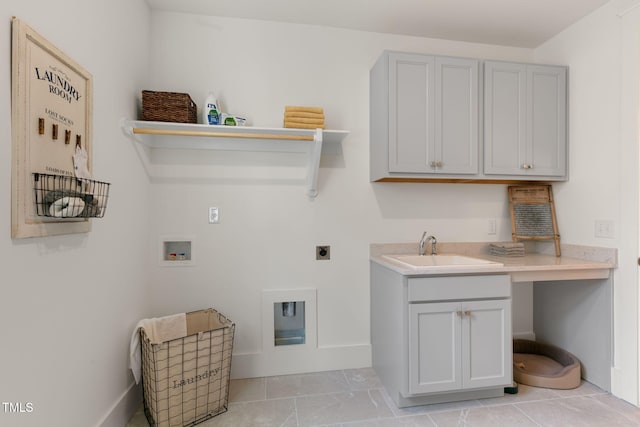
(443, 338)
(459, 345)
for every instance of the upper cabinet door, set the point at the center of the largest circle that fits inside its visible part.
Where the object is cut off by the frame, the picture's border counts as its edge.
(546, 141)
(505, 110)
(525, 120)
(456, 116)
(411, 112)
(433, 114)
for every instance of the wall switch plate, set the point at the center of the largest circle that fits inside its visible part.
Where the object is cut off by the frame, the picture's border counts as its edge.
(605, 229)
(214, 217)
(323, 252)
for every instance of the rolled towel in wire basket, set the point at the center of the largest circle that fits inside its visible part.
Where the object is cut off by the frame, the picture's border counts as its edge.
(67, 207)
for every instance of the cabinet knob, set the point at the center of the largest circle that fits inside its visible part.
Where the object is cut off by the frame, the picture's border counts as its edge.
(459, 313)
(467, 312)
(527, 166)
(439, 164)
(433, 164)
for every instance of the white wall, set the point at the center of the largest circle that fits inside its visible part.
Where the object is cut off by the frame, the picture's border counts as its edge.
(69, 303)
(269, 229)
(66, 334)
(603, 51)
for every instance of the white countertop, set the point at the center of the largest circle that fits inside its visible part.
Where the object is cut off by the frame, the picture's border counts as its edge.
(576, 262)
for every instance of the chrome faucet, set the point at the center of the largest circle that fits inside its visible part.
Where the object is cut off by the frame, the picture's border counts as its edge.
(423, 242)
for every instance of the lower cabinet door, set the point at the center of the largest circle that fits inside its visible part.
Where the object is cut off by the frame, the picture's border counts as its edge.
(459, 345)
(486, 344)
(434, 347)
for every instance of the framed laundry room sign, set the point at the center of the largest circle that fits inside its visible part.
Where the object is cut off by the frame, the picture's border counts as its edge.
(51, 114)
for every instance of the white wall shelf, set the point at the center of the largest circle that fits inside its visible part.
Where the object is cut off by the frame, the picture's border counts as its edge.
(166, 135)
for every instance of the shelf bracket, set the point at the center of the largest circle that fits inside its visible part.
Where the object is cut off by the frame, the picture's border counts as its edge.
(315, 153)
(127, 129)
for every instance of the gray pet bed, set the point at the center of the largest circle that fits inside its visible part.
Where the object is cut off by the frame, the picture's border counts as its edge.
(544, 365)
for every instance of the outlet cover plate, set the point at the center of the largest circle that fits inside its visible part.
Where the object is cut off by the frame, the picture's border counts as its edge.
(214, 216)
(605, 228)
(323, 252)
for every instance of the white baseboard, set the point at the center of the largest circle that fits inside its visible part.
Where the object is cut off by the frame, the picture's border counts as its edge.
(525, 335)
(284, 361)
(124, 408)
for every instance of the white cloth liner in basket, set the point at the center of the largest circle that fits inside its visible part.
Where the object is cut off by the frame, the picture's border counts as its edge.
(158, 329)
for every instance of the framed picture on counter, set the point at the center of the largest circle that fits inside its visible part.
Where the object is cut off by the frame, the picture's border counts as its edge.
(51, 114)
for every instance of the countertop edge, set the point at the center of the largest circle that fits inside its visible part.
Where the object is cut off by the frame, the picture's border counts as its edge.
(576, 262)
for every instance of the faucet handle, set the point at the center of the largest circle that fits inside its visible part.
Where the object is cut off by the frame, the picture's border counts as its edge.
(421, 244)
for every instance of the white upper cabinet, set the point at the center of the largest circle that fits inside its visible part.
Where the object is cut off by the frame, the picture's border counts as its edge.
(525, 114)
(411, 112)
(424, 116)
(456, 123)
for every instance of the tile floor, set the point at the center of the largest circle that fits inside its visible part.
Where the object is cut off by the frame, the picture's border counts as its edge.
(356, 398)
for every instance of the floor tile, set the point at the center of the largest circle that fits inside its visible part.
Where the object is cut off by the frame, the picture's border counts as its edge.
(306, 384)
(266, 413)
(362, 379)
(249, 389)
(355, 398)
(525, 394)
(410, 421)
(628, 410)
(138, 419)
(495, 416)
(585, 389)
(574, 411)
(425, 409)
(334, 408)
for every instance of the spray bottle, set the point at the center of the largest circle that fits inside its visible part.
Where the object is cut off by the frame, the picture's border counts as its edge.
(211, 110)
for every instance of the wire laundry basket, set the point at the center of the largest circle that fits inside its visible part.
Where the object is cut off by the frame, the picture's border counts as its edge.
(60, 196)
(185, 381)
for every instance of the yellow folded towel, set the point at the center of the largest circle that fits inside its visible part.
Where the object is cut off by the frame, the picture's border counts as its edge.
(304, 120)
(302, 115)
(302, 109)
(298, 125)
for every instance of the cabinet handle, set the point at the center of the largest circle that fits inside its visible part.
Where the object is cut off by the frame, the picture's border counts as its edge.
(439, 164)
(467, 312)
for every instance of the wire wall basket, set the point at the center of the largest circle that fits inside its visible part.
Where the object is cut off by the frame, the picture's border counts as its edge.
(60, 196)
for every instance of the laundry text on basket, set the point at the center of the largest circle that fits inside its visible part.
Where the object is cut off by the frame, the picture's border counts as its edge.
(196, 378)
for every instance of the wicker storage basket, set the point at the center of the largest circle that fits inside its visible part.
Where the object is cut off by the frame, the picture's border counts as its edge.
(186, 380)
(168, 107)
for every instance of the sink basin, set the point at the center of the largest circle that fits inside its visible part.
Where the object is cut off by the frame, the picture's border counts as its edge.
(445, 260)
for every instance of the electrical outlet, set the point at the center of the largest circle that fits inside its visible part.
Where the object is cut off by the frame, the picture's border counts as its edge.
(491, 227)
(214, 216)
(323, 252)
(604, 229)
